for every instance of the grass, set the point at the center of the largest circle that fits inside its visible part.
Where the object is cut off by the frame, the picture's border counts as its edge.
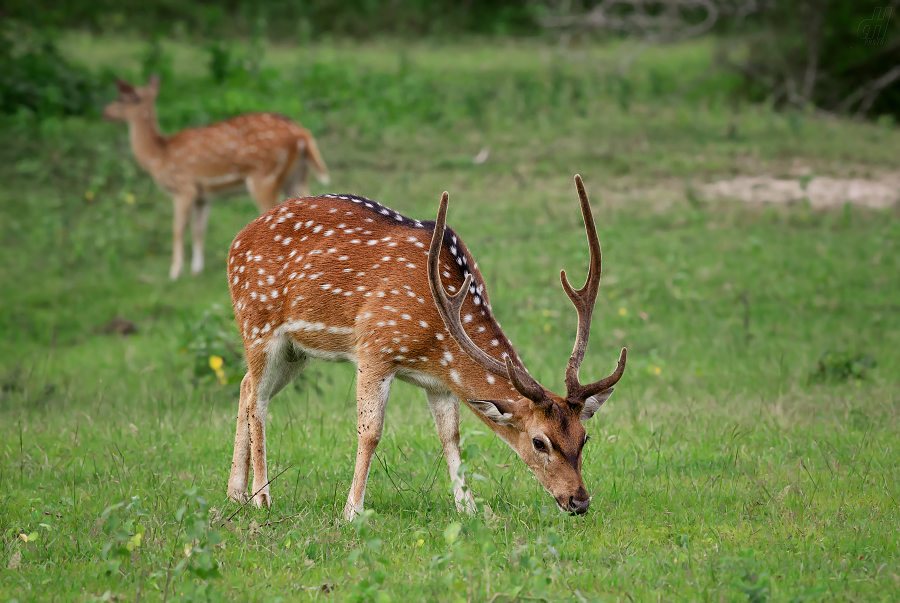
(722, 469)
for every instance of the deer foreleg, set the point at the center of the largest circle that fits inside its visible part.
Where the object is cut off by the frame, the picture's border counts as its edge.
(183, 203)
(445, 409)
(199, 219)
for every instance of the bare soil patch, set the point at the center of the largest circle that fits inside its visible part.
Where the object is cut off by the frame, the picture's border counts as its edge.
(821, 191)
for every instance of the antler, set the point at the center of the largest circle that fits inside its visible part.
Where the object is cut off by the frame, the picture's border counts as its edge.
(583, 299)
(449, 307)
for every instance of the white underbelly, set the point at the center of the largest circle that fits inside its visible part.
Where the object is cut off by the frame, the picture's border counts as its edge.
(220, 186)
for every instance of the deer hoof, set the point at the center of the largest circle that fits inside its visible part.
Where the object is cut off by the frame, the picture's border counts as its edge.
(350, 512)
(262, 500)
(238, 496)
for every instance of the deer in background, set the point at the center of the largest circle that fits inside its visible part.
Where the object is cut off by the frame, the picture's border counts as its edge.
(266, 152)
(340, 277)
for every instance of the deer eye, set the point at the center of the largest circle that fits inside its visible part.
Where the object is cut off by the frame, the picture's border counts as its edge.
(539, 445)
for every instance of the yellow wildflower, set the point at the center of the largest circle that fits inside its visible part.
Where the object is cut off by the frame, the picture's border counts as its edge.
(623, 311)
(89, 195)
(216, 362)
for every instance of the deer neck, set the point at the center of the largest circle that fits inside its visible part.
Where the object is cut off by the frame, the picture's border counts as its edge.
(147, 143)
(468, 379)
(478, 387)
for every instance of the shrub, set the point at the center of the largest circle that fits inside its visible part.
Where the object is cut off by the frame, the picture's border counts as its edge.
(838, 367)
(35, 77)
(837, 55)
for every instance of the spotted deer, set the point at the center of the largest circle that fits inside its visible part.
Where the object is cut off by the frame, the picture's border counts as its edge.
(265, 152)
(342, 278)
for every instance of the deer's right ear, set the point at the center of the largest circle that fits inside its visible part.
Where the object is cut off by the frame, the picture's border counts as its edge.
(124, 87)
(593, 404)
(500, 412)
(153, 83)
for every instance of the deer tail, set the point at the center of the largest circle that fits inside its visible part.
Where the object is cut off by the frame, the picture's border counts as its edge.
(312, 153)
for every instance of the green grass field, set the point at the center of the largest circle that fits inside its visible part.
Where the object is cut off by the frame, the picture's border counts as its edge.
(727, 466)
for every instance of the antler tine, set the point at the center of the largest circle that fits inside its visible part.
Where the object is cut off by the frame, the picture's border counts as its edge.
(583, 299)
(586, 391)
(449, 307)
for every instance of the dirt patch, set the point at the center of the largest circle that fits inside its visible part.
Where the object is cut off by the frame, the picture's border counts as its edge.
(821, 191)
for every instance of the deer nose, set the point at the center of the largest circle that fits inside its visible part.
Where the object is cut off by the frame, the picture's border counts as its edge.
(579, 507)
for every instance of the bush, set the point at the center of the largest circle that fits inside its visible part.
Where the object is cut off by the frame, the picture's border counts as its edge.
(287, 19)
(839, 367)
(833, 54)
(37, 78)
(213, 346)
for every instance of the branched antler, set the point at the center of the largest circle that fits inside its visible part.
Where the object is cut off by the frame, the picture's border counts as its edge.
(583, 299)
(449, 307)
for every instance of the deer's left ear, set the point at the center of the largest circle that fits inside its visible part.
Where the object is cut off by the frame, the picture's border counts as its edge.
(498, 411)
(592, 404)
(124, 88)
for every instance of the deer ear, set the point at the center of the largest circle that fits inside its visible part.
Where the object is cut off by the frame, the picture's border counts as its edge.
(124, 87)
(500, 412)
(153, 83)
(592, 404)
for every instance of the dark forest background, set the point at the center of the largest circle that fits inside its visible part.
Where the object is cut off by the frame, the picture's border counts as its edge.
(831, 55)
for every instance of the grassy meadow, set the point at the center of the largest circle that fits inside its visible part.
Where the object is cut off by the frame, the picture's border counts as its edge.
(749, 453)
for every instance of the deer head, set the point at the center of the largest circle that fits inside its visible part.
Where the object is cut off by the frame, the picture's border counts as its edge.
(545, 429)
(133, 101)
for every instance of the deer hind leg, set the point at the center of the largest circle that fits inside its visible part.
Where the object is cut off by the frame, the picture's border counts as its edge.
(199, 218)
(240, 461)
(373, 384)
(183, 201)
(275, 369)
(445, 410)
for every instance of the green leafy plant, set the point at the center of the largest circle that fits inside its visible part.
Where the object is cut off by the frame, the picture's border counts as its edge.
(124, 533)
(839, 367)
(470, 558)
(212, 345)
(196, 542)
(370, 589)
(197, 537)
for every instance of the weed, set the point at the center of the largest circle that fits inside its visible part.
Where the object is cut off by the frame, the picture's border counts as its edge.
(838, 367)
(124, 533)
(213, 345)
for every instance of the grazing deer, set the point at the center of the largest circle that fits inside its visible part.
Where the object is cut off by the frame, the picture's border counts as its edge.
(340, 277)
(265, 152)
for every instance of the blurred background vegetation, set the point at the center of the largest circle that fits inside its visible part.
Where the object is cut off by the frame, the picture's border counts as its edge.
(830, 55)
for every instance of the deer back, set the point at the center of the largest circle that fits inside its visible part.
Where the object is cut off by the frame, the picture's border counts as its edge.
(346, 278)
